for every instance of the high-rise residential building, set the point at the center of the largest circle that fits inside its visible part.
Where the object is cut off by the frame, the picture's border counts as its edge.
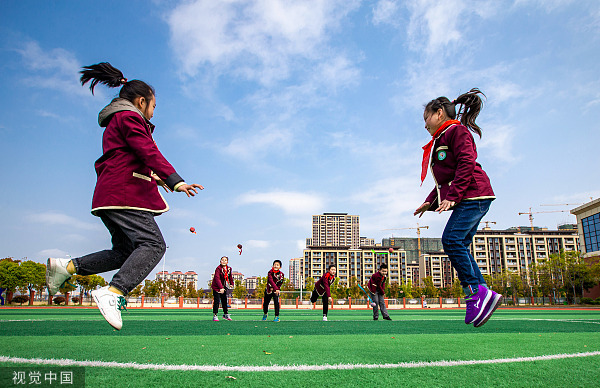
(295, 272)
(237, 276)
(335, 230)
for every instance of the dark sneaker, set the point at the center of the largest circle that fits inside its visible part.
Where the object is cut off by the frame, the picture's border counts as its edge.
(375, 319)
(264, 317)
(476, 304)
(387, 318)
(489, 309)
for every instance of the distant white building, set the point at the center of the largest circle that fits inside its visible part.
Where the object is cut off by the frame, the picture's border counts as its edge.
(185, 278)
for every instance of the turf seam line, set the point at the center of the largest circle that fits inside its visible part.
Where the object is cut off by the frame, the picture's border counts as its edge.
(300, 368)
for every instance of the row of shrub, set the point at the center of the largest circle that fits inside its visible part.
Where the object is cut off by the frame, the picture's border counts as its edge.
(58, 300)
(590, 301)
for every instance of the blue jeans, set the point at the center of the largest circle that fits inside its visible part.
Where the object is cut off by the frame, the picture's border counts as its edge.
(458, 236)
(138, 246)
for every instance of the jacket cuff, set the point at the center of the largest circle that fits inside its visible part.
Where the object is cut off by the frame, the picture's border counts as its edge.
(173, 180)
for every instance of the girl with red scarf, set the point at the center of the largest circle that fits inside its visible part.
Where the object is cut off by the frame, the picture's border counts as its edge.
(322, 289)
(274, 281)
(462, 186)
(222, 281)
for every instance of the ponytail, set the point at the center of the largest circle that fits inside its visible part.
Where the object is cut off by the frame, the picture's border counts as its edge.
(471, 106)
(467, 113)
(105, 73)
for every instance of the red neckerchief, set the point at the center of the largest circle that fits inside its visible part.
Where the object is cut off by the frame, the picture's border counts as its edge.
(329, 276)
(427, 147)
(226, 273)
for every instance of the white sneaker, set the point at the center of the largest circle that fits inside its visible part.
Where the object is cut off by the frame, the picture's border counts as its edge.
(110, 305)
(56, 274)
(324, 317)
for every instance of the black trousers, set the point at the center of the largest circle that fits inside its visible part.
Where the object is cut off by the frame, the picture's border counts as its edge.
(223, 299)
(267, 300)
(138, 246)
(315, 296)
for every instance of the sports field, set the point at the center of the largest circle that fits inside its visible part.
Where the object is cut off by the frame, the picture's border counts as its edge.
(424, 348)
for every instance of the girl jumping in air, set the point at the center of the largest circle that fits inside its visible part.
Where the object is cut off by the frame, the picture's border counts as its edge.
(222, 281)
(322, 289)
(462, 186)
(126, 197)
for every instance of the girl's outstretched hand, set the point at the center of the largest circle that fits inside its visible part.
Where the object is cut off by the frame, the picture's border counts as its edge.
(422, 209)
(445, 205)
(190, 189)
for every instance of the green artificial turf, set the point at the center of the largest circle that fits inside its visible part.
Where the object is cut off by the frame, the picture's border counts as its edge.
(189, 337)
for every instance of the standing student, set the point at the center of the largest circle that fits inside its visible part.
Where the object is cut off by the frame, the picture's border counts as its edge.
(126, 197)
(222, 281)
(462, 186)
(274, 281)
(322, 289)
(377, 289)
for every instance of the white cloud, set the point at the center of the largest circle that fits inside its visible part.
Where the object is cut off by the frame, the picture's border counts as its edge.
(546, 5)
(497, 140)
(386, 12)
(434, 25)
(257, 244)
(59, 219)
(55, 69)
(52, 252)
(300, 245)
(292, 203)
(263, 40)
(260, 144)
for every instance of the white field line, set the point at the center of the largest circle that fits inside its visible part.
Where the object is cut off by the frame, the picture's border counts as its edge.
(289, 368)
(572, 320)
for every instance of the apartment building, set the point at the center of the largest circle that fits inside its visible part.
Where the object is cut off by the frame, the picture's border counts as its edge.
(251, 283)
(516, 249)
(295, 272)
(237, 276)
(361, 263)
(178, 276)
(335, 230)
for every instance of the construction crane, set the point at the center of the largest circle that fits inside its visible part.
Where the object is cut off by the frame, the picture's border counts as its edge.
(564, 204)
(531, 213)
(487, 223)
(418, 228)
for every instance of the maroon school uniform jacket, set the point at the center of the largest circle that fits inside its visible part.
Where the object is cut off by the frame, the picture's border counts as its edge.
(377, 283)
(322, 285)
(129, 155)
(274, 281)
(456, 173)
(222, 278)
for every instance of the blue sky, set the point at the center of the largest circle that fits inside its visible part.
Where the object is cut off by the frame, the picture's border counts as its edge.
(287, 109)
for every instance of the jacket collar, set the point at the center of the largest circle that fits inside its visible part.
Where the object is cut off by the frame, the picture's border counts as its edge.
(119, 105)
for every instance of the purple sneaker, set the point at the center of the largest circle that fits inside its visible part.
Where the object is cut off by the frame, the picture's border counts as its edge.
(489, 309)
(476, 304)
